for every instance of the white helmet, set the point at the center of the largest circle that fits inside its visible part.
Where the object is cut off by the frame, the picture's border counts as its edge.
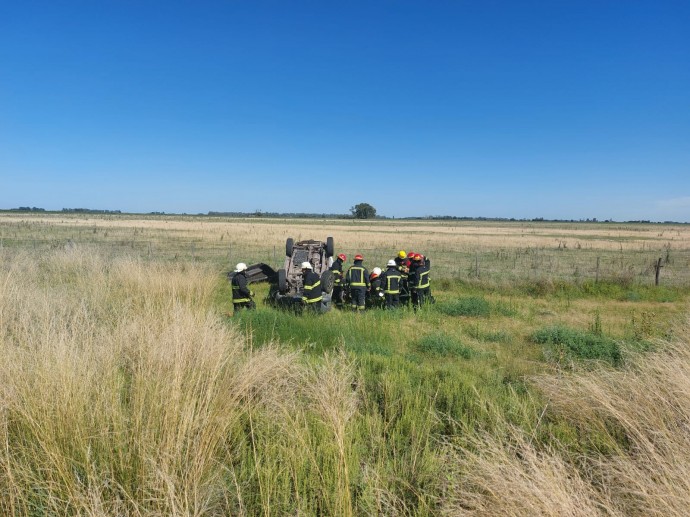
(376, 270)
(240, 267)
(306, 265)
(391, 262)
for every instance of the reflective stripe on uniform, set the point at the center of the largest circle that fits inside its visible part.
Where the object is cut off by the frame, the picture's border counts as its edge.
(310, 291)
(361, 282)
(235, 292)
(423, 280)
(310, 287)
(388, 289)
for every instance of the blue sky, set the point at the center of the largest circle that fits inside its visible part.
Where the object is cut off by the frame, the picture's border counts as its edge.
(555, 109)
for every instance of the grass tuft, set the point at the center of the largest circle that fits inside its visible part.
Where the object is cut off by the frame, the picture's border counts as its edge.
(578, 344)
(444, 345)
(471, 306)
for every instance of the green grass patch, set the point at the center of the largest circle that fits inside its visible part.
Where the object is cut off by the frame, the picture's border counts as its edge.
(317, 333)
(578, 344)
(470, 306)
(490, 336)
(442, 344)
(476, 306)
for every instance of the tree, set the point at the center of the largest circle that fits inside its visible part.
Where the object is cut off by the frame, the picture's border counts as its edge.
(363, 211)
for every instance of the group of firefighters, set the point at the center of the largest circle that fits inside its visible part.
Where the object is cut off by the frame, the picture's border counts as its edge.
(405, 281)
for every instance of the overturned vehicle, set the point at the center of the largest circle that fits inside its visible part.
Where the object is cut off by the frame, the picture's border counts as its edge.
(286, 287)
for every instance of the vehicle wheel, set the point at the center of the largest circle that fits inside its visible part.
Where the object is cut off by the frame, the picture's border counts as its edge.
(327, 281)
(282, 281)
(288, 246)
(330, 247)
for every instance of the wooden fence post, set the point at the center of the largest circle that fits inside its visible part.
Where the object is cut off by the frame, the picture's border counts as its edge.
(657, 268)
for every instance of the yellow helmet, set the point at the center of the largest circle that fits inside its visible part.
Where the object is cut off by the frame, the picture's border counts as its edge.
(402, 254)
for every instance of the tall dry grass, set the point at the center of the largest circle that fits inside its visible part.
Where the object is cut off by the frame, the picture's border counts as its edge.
(120, 392)
(633, 459)
(123, 393)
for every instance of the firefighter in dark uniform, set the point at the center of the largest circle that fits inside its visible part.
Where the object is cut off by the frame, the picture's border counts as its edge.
(241, 295)
(423, 283)
(390, 281)
(403, 261)
(357, 282)
(413, 280)
(376, 296)
(311, 282)
(338, 291)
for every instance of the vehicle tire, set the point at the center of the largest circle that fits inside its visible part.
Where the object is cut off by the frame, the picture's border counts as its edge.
(330, 247)
(282, 281)
(288, 246)
(327, 282)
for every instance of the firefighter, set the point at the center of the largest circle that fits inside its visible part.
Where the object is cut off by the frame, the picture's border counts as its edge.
(406, 287)
(412, 280)
(311, 296)
(338, 291)
(241, 295)
(428, 297)
(357, 282)
(400, 264)
(421, 283)
(400, 259)
(376, 297)
(390, 281)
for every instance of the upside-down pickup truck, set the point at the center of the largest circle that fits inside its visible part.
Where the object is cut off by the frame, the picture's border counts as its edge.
(286, 283)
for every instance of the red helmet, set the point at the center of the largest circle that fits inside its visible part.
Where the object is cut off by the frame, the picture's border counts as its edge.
(359, 257)
(417, 257)
(411, 254)
(342, 257)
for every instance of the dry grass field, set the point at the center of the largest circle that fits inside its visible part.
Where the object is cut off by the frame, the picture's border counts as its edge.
(537, 384)
(498, 251)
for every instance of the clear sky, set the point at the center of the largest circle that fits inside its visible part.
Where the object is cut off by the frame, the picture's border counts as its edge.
(555, 109)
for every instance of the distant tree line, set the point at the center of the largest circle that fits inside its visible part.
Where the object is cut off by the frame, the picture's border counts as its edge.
(507, 219)
(285, 215)
(89, 211)
(359, 211)
(27, 209)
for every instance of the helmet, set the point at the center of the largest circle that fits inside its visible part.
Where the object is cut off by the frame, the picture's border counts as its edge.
(410, 254)
(306, 265)
(417, 257)
(391, 262)
(240, 267)
(342, 257)
(402, 254)
(359, 257)
(376, 271)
